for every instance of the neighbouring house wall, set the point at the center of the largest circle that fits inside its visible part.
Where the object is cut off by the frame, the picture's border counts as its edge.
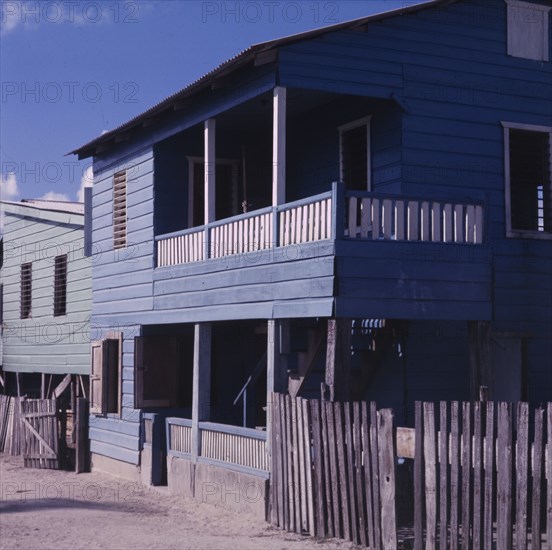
(44, 343)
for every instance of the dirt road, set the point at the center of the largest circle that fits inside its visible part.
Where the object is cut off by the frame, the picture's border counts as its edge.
(48, 509)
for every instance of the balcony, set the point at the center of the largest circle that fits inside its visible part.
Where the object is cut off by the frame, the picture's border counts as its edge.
(334, 215)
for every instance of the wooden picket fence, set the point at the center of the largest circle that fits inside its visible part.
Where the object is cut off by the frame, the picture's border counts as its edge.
(482, 476)
(333, 470)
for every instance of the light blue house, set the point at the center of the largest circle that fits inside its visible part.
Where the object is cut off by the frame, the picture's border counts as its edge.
(232, 265)
(47, 294)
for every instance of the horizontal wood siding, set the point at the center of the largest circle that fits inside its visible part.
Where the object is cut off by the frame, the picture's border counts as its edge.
(44, 343)
(253, 285)
(413, 281)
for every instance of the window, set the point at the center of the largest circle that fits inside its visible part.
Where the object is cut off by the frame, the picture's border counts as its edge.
(528, 30)
(120, 209)
(528, 182)
(105, 378)
(354, 154)
(60, 285)
(26, 289)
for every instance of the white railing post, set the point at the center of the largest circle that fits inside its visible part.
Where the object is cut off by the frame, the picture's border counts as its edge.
(279, 146)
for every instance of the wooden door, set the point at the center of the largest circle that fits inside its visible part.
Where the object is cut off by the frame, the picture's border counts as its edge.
(157, 361)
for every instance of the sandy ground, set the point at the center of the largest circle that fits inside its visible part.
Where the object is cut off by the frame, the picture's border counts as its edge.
(49, 509)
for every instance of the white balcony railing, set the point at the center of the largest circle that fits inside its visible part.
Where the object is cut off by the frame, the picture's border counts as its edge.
(333, 215)
(386, 217)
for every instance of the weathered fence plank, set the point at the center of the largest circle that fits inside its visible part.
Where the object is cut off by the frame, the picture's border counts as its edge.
(374, 447)
(443, 476)
(466, 474)
(368, 482)
(504, 477)
(477, 476)
(522, 469)
(387, 478)
(489, 446)
(360, 497)
(537, 480)
(549, 477)
(418, 477)
(342, 467)
(430, 461)
(454, 473)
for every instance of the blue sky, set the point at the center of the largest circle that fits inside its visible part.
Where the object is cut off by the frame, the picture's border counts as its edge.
(72, 69)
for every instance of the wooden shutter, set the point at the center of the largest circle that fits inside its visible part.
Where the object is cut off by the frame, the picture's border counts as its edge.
(26, 290)
(105, 377)
(60, 285)
(157, 362)
(97, 377)
(120, 209)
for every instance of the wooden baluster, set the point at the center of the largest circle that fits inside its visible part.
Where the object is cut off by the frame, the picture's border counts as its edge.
(399, 220)
(413, 219)
(304, 227)
(448, 234)
(317, 235)
(365, 217)
(424, 222)
(352, 217)
(436, 223)
(478, 224)
(375, 218)
(459, 224)
(387, 219)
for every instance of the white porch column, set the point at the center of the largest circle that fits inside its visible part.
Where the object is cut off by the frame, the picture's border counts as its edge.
(279, 147)
(201, 400)
(210, 170)
(276, 366)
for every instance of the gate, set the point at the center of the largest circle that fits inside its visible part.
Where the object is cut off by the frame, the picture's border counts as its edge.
(40, 433)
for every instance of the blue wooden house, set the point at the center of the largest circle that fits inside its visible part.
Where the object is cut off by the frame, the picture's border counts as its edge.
(46, 294)
(363, 210)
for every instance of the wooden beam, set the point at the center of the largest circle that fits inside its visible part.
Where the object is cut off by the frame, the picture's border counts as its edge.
(279, 147)
(210, 170)
(201, 385)
(62, 386)
(338, 360)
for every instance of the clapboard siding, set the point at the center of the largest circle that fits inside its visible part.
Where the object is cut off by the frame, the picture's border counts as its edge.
(44, 343)
(383, 277)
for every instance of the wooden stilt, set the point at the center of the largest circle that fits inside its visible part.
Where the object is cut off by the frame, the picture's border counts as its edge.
(338, 360)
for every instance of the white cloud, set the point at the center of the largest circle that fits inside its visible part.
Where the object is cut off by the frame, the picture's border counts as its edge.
(53, 196)
(86, 181)
(8, 187)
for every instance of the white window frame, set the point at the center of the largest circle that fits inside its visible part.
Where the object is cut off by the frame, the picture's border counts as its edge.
(364, 121)
(514, 8)
(507, 126)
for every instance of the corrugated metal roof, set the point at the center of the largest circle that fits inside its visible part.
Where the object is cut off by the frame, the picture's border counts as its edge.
(239, 60)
